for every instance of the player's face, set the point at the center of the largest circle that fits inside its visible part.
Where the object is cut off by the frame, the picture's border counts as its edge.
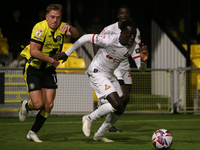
(124, 14)
(53, 19)
(128, 36)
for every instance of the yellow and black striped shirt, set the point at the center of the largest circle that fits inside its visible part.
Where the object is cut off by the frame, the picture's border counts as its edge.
(51, 41)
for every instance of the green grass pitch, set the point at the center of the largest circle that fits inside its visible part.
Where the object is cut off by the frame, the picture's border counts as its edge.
(65, 132)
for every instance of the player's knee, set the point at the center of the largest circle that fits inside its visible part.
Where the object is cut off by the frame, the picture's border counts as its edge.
(38, 105)
(118, 106)
(115, 101)
(120, 111)
(49, 106)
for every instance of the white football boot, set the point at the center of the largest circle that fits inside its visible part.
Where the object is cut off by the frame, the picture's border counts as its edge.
(33, 137)
(86, 125)
(23, 112)
(101, 138)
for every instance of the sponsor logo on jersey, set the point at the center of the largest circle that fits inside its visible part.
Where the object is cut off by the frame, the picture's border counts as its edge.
(107, 87)
(53, 44)
(38, 32)
(102, 36)
(109, 57)
(37, 38)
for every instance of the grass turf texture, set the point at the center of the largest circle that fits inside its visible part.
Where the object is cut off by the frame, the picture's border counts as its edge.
(66, 133)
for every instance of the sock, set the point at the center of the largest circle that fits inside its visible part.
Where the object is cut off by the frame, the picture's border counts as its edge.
(101, 111)
(40, 119)
(103, 101)
(27, 106)
(110, 120)
(114, 118)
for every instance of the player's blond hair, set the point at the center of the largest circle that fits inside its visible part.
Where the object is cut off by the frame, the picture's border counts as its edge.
(54, 7)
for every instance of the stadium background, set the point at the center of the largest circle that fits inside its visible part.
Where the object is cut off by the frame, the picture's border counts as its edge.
(167, 86)
(168, 13)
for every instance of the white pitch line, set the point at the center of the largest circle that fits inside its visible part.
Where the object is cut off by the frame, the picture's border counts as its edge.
(177, 120)
(122, 121)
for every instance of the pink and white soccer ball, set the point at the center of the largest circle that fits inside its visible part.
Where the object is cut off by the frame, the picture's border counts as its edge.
(162, 139)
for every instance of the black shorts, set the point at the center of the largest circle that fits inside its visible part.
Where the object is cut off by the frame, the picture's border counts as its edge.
(37, 79)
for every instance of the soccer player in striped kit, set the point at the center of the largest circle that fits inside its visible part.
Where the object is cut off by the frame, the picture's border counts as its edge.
(47, 39)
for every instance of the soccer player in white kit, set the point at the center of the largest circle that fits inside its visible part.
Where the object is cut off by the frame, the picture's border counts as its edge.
(114, 49)
(122, 72)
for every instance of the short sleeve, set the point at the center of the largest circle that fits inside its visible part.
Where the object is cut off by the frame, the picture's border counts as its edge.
(38, 33)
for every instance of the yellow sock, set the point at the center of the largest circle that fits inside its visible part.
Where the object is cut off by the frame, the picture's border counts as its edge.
(44, 114)
(27, 106)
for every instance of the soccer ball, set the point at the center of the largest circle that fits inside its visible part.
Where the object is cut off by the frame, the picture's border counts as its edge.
(162, 139)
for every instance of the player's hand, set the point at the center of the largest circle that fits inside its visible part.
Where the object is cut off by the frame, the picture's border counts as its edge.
(55, 63)
(60, 56)
(144, 54)
(66, 27)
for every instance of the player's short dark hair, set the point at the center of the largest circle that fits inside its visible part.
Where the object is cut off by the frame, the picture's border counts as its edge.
(127, 23)
(123, 6)
(54, 7)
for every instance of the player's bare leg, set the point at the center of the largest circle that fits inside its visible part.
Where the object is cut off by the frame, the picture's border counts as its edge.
(126, 89)
(42, 100)
(119, 112)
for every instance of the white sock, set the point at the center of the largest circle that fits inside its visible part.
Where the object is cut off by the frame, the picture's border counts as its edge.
(110, 120)
(103, 101)
(114, 118)
(101, 111)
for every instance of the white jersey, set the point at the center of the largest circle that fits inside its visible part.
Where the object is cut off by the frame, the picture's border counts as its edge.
(111, 54)
(114, 29)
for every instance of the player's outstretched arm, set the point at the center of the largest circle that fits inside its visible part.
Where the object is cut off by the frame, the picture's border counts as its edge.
(64, 55)
(36, 53)
(60, 56)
